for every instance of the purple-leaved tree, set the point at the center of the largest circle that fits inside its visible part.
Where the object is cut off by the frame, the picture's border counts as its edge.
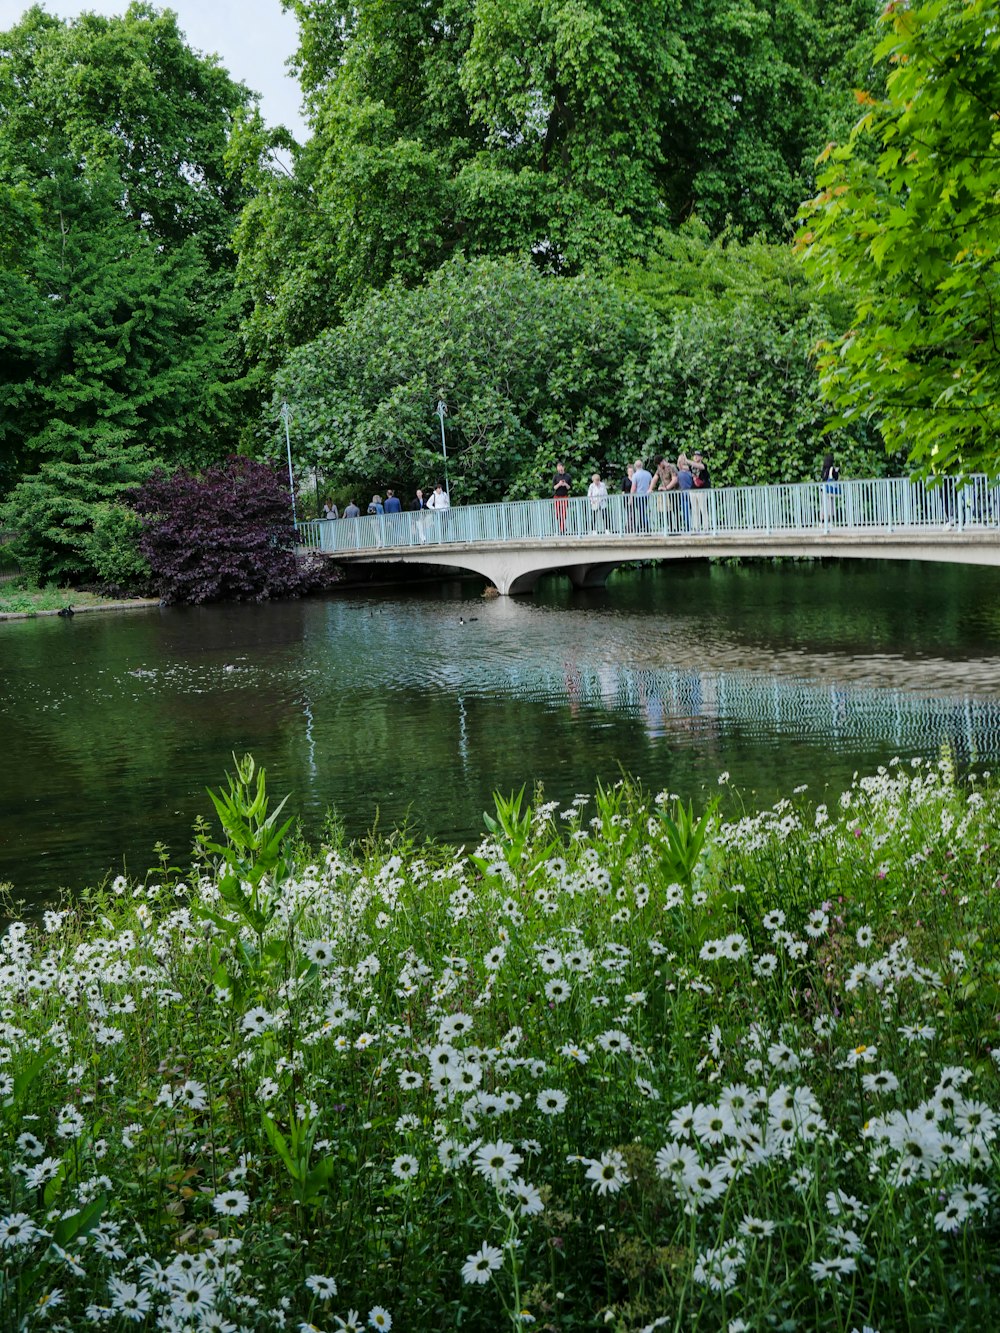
(225, 534)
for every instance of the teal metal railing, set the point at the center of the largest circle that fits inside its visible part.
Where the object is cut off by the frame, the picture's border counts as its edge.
(887, 506)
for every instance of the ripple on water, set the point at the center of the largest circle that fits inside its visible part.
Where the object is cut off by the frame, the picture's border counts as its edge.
(779, 675)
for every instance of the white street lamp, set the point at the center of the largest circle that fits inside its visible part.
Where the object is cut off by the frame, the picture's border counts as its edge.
(442, 411)
(288, 446)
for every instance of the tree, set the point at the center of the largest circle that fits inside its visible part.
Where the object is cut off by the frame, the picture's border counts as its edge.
(535, 367)
(734, 365)
(226, 535)
(530, 366)
(126, 96)
(906, 223)
(57, 508)
(565, 133)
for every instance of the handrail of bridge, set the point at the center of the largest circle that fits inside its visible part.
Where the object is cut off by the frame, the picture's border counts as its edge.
(885, 506)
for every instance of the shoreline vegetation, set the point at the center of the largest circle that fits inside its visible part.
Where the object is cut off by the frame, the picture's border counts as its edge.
(20, 600)
(619, 1066)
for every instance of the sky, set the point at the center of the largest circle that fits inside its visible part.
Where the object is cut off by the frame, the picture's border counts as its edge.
(252, 38)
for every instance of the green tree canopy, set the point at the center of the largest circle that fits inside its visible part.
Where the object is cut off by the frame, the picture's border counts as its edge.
(535, 367)
(126, 96)
(569, 131)
(117, 314)
(906, 224)
(529, 365)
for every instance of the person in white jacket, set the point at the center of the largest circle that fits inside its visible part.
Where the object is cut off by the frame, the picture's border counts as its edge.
(439, 502)
(597, 494)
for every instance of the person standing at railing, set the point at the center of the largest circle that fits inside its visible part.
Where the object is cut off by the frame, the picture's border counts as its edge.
(685, 484)
(701, 482)
(376, 510)
(641, 482)
(597, 494)
(352, 511)
(440, 503)
(830, 478)
(629, 501)
(330, 510)
(392, 507)
(561, 483)
(419, 507)
(664, 480)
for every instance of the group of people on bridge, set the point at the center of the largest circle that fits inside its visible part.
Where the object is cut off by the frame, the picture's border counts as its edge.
(437, 500)
(689, 477)
(645, 509)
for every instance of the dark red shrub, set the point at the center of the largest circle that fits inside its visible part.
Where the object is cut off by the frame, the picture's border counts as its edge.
(224, 535)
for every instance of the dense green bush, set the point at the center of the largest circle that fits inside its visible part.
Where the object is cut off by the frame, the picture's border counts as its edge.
(113, 547)
(688, 353)
(531, 367)
(54, 511)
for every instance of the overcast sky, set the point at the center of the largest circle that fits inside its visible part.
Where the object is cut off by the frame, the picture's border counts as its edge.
(252, 38)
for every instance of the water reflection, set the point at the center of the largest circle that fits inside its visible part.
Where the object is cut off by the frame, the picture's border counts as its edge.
(419, 704)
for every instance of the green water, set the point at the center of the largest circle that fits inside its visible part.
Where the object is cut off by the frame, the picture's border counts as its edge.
(415, 704)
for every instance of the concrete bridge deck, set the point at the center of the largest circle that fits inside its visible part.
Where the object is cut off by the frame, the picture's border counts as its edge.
(513, 545)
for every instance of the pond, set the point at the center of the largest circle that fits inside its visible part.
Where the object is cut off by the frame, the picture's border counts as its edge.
(413, 704)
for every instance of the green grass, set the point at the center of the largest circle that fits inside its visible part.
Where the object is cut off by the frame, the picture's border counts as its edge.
(21, 596)
(631, 1068)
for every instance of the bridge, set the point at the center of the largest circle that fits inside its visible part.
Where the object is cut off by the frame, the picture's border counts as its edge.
(513, 543)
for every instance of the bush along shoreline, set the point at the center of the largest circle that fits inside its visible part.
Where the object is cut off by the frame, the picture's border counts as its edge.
(620, 1066)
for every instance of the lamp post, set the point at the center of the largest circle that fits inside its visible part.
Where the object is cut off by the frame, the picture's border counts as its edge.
(442, 411)
(288, 446)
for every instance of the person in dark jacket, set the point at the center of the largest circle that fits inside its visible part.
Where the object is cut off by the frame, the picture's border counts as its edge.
(421, 509)
(561, 484)
(701, 482)
(830, 479)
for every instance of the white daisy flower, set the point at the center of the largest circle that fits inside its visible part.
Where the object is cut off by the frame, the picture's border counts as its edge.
(478, 1267)
(17, 1229)
(551, 1101)
(608, 1173)
(323, 1287)
(405, 1167)
(497, 1161)
(320, 952)
(527, 1197)
(232, 1203)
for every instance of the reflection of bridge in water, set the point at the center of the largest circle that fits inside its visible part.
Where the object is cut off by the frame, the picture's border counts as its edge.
(660, 683)
(848, 713)
(513, 544)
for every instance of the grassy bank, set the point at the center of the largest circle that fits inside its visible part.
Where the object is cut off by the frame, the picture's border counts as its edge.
(618, 1067)
(20, 597)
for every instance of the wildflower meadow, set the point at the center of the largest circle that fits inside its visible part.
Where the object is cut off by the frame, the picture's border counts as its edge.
(622, 1065)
